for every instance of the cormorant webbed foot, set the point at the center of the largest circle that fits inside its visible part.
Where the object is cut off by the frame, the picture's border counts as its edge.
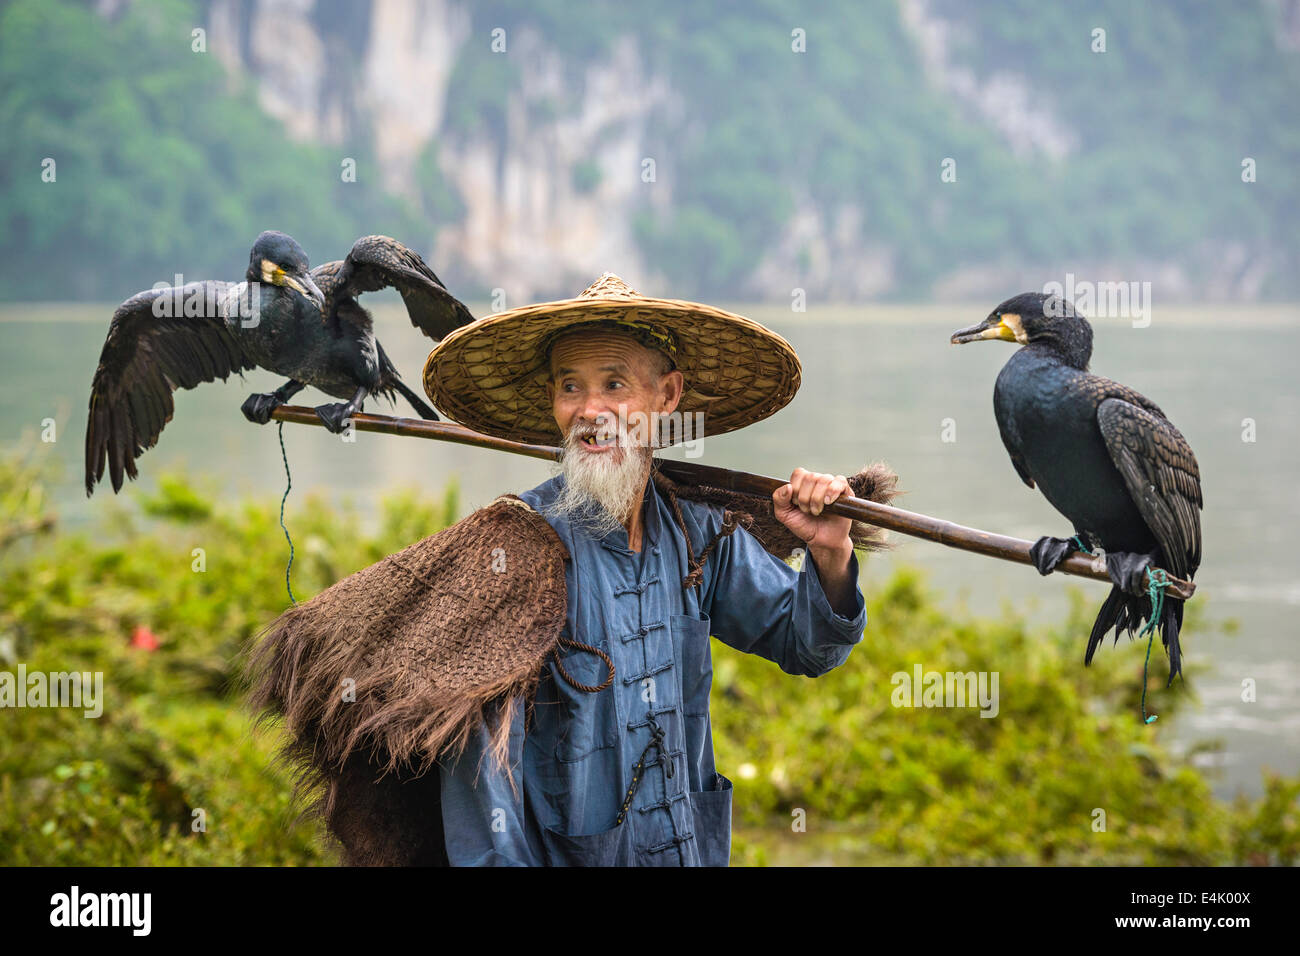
(1128, 569)
(1048, 553)
(258, 408)
(335, 417)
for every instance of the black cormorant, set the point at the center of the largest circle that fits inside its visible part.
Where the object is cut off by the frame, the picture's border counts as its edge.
(282, 317)
(1105, 456)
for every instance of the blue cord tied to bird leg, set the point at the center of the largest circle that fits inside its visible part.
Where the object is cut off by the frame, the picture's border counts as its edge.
(1157, 581)
(1096, 554)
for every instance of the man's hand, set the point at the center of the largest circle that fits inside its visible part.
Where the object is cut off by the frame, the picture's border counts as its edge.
(799, 505)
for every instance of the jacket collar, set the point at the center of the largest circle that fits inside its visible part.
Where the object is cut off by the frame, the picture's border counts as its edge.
(651, 526)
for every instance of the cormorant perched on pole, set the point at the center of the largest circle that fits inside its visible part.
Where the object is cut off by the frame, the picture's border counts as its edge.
(282, 317)
(1105, 456)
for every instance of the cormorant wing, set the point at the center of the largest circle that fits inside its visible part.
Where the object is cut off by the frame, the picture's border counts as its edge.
(377, 262)
(1005, 417)
(1161, 475)
(329, 278)
(146, 357)
(1016, 458)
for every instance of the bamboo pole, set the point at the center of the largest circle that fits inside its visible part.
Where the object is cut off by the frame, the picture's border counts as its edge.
(686, 472)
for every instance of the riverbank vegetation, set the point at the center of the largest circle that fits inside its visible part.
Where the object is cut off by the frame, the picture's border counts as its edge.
(162, 596)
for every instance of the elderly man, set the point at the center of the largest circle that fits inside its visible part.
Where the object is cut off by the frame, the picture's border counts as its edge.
(614, 763)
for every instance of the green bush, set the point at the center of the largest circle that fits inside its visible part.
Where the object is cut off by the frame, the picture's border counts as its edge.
(123, 788)
(879, 783)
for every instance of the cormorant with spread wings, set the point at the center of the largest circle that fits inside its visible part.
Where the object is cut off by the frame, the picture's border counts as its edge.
(305, 324)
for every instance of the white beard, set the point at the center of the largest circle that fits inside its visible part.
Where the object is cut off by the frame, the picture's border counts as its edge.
(600, 494)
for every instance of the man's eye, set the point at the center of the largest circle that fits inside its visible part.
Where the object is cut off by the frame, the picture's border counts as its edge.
(616, 384)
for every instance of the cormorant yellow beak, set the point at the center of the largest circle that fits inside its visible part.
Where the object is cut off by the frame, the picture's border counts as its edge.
(301, 283)
(1006, 327)
(304, 286)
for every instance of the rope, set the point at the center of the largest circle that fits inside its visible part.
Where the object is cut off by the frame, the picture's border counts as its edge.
(730, 521)
(1157, 581)
(656, 741)
(669, 488)
(288, 483)
(587, 688)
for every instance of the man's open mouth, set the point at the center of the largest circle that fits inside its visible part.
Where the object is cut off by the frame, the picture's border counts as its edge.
(597, 441)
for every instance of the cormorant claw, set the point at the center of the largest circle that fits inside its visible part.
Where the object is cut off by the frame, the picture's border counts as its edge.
(335, 417)
(258, 408)
(1048, 553)
(1129, 570)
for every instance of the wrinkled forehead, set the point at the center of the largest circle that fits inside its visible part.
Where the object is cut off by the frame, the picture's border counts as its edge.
(599, 348)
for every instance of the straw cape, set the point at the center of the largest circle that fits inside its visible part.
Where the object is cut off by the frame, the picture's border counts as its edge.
(491, 375)
(380, 673)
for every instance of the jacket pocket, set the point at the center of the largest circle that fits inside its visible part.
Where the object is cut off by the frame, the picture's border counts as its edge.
(691, 647)
(587, 721)
(712, 817)
(596, 849)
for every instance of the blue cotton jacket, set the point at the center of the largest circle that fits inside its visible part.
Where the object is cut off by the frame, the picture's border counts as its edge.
(574, 762)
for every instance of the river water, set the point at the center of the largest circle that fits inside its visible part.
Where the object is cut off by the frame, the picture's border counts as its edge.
(879, 383)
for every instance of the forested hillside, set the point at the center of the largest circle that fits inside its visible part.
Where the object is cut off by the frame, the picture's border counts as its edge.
(791, 147)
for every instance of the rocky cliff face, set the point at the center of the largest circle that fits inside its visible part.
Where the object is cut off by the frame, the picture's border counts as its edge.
(548, 200)
(380, 72)
(548, 168)
(549, 206)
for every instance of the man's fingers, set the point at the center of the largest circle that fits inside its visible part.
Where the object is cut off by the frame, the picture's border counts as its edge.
(820, 493)
(793, 487)
(804, 491)
(811, 491)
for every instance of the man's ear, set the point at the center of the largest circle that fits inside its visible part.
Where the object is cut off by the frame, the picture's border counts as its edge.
(550, 391)
(671, 385)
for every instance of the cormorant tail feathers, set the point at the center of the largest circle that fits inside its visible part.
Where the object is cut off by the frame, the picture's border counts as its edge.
(389, 379)
(1125, 612)
(421, 409)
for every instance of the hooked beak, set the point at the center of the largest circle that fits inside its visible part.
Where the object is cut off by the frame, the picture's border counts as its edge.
(1006, 327)
(302, 284)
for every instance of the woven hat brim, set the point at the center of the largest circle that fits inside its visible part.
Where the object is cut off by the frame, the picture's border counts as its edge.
(491, 375)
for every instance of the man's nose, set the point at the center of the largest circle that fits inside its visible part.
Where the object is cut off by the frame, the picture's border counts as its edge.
(597, 412)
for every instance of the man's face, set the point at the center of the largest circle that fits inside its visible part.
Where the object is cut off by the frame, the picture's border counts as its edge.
(605, 389)
(602, 382)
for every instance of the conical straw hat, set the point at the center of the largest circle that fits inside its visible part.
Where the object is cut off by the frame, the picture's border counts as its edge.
(491, 375)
